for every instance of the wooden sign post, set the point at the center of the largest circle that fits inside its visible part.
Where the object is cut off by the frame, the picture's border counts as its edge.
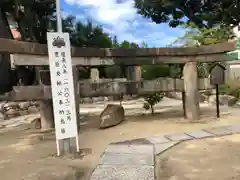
(217, 77)
(62, 85)
(63, 93)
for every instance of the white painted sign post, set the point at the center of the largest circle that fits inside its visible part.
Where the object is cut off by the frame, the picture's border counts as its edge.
(63, 94)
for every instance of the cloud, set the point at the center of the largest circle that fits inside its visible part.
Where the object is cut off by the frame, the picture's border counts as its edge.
(120, 18)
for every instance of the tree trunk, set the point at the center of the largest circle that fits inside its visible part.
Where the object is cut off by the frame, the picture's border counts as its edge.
(152, 109)
(5, 62)
(191, 91)
(46, 113)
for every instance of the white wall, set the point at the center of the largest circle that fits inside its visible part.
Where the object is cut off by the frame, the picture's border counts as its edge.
(236, 30)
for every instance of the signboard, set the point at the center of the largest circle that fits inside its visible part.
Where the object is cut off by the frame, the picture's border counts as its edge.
(62, 85)
(217, 74)
(217, 77)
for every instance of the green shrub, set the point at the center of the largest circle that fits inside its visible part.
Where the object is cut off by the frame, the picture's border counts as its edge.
(151, 101)
(231, 88)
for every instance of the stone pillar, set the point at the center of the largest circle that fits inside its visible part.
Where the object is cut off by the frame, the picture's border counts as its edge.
(46, 114)
(131, 76)
(190, 76)
(94, 75)
(45, 106)
(138, 73)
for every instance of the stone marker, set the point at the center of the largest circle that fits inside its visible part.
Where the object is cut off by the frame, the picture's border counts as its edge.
(112, 115)
(106, 172)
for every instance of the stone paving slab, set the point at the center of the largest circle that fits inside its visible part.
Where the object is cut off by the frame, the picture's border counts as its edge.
(134, 159)
(127, 159)
(234, 128)
(178, 137)
(160, 148)
(158, 140)
(133, 149)
(199, 134)
(138, 141)
(219, 131)
(104, 172)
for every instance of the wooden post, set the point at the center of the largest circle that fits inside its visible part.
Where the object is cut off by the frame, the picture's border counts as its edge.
(217, 101)
(69, 145)
(191, 91)
(46, 109)
(184, 104)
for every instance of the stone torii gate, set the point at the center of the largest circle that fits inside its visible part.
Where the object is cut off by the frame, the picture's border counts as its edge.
(25, 54)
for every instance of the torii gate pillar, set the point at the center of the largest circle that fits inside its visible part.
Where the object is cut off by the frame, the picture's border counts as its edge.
(190, 76)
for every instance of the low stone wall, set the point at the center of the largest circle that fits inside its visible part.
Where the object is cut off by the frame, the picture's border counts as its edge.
(209, 96)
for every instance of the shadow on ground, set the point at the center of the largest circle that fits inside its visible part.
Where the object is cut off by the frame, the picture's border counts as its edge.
(165, 113)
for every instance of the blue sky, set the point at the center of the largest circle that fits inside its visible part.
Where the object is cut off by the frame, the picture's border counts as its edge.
(119, 17)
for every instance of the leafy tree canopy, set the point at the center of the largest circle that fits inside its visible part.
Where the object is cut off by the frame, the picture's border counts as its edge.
(195, 36)
(32, 16)
(204, 13)
(36, 17)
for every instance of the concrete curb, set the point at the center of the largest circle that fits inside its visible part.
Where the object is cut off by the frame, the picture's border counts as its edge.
(133, 160)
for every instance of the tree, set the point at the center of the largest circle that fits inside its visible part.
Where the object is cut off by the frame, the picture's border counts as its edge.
(32, 16)
(204, 13)
(195, 36)
(151, 101)
(36, 17)
(117, 71)
(150, 72)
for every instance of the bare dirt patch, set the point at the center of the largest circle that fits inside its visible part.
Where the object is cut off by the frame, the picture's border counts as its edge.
(30, 155)
(212, 158)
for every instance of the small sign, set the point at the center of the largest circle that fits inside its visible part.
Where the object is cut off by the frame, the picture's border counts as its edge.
(63, 96)
(217, 77)
(217, 74)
